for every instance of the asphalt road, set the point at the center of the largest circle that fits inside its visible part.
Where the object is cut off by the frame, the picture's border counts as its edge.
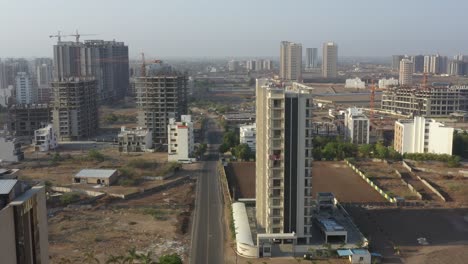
(207, 226)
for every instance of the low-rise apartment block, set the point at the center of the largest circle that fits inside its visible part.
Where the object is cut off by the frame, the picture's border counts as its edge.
(45, 139)
(421, 135)
(135, 140)
(357, 126)
(247, 135)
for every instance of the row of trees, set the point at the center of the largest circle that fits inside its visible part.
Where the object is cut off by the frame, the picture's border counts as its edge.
(460, 144)
(231, 143)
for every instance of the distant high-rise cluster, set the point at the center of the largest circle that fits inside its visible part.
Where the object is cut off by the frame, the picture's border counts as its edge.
(330, 60)
(434, 64)
(290, 61)
(106, 61)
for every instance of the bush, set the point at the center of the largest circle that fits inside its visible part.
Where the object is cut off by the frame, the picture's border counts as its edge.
(95, 155)
(170, 259)
(68, 198)
(155, 213)
(141, 164)
(127, 182)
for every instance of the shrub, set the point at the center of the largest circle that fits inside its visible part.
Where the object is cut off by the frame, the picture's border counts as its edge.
(96, 155)
(170, 259)
(155, 213)
(68, 198)
(141, 164)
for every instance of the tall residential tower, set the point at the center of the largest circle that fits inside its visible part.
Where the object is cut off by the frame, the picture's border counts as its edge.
(290, 61)
(329, 60)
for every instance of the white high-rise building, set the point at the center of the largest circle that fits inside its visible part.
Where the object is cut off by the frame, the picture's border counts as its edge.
(25, 91)
(330, 60)
(357, 126)
(311, 58)
(421, 135)
(406, 72)
(180, 139)
(290, 61)
(247, 135)
(283, 161)
(267, 65)
(233, 66)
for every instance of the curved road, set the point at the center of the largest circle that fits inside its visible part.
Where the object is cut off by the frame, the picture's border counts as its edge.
(207, 226)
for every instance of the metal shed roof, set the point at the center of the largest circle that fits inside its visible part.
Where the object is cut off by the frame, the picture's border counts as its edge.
(95, 173)
(241, 223)
(7, 185)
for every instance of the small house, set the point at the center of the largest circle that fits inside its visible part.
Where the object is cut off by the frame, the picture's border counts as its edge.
(96, 176)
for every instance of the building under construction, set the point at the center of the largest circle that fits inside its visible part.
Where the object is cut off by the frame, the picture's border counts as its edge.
(161, 93)
(75, 112)
(426, 101)
(24, 119)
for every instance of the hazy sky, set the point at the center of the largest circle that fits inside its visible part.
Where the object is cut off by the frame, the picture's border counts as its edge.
(239, 27)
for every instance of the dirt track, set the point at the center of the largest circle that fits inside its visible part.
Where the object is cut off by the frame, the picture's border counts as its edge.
(345, 184)
(241, 176)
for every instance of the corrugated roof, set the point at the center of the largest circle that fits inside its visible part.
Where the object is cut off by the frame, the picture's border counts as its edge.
(241, 223)
(7, 185)
(2, 171)
(95, 173)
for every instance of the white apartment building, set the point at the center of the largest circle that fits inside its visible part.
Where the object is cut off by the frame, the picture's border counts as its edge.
(180, 139)
(247, 135)
(387, 83)
(135, 140)
(45, 139)
(284, 204)
(25, 91)
(406, 72)
(356, 126)
(330, 60)
(421, 135)
(5, 96)
(355, 83)
(290, 61)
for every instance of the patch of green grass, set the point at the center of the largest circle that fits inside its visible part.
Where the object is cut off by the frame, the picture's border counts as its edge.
(155, 213)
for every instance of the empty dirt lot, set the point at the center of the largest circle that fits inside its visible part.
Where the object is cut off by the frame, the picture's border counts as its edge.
(446, 231)
(344, 183)
(241, 177)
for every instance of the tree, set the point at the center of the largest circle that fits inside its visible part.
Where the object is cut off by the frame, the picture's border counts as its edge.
(223, 148)
(96, 155)
(365, 150)
(231, 139)
(170, 259)
(243, 152)
(381, 151)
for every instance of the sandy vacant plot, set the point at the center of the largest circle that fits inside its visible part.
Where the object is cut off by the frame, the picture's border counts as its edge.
(338, 178)
(152, 223)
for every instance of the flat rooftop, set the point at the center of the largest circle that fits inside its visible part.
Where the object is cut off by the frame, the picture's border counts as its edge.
(95, 173)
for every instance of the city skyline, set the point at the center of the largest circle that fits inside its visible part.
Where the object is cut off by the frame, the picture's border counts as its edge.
(214, 29)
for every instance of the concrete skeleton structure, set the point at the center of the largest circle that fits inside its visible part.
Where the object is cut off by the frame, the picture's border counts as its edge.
(23, 218)
(180, 139)
(106, 61)
(330, 60)
(247, 135)
(161, 95)
(421, 135)
(290, 61)
(356, 126)
(426, 102)
(45, 139)
(23, 120)
(135, 140)
(283, 161)
(75, 111)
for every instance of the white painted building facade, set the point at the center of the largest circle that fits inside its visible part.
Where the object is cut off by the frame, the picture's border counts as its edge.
(355, 83)
(356, 126)
(387, 83)
(421, 135)
(135, 140)
(180, 144)
(247, 136)
(25, 91)
(45, 139)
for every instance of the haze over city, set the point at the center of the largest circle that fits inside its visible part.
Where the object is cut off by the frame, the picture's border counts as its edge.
(238, 28)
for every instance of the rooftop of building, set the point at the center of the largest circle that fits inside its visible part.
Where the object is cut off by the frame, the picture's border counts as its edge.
(95, 173)
(7, 185)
